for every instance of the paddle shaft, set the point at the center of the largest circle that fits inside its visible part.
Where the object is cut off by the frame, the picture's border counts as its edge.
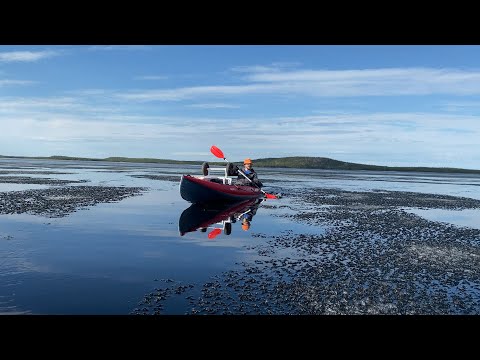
(218, 153)
(246, 177)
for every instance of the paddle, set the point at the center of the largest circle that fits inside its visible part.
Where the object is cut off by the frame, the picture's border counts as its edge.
(219, 154)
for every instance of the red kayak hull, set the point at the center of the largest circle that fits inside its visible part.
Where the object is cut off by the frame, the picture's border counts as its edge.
(198, 190)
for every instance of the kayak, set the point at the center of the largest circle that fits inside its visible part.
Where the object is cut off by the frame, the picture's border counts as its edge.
(203, 189)
(202, 216)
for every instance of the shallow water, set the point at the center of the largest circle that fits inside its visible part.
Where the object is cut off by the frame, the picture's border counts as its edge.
(468, 217)
(104, 259)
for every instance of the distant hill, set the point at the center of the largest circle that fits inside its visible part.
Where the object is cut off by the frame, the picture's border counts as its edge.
(305, 162)
(299, 162)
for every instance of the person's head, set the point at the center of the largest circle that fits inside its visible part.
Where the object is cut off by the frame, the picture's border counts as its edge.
(245, 224)
(247, 163)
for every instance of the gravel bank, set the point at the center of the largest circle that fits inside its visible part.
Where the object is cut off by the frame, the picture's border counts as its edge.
(61, 201)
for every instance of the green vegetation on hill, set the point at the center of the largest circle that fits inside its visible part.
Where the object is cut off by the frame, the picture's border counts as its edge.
(304, 162)
(299, 162)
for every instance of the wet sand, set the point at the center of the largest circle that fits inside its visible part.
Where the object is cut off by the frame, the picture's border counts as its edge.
(374, 258)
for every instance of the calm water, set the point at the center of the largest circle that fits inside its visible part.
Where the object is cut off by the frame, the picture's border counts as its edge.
(104, 259)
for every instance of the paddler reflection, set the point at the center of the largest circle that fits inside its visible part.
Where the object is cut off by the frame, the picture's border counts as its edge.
(218, 217)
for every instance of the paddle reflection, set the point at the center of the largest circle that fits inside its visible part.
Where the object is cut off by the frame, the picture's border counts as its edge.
(217, 218)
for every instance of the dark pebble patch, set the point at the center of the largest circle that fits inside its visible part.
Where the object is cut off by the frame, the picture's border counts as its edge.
(153, 303)
(23, 172)
(40, 181)
(61, 201)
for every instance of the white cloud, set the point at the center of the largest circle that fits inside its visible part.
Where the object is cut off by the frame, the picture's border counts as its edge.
(101, 122)
(151, 77)
(191, 92)
(214, 106)
(88, 92)
(377, 138)
(455, 106)
(26, 56)
(119, 47)
(255, 69)
(44, 108)
(13, 104)
(274, 67)
(388, 81)
(382, 75)
(191, 153)
(7, 82)
(329, 83)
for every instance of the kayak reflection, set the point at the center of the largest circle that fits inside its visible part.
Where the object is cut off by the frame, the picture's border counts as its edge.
(217, 217)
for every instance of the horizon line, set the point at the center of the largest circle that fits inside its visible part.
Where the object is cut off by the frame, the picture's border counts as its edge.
(200, 161)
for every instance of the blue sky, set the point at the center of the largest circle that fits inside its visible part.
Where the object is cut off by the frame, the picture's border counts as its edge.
(385, 105)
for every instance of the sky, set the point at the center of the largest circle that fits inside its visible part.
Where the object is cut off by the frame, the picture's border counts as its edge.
(392, 105)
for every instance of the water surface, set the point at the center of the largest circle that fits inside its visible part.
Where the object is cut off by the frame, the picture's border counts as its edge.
(105, 258)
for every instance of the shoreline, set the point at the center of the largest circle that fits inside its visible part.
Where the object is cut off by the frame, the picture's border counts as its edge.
(259, 164)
